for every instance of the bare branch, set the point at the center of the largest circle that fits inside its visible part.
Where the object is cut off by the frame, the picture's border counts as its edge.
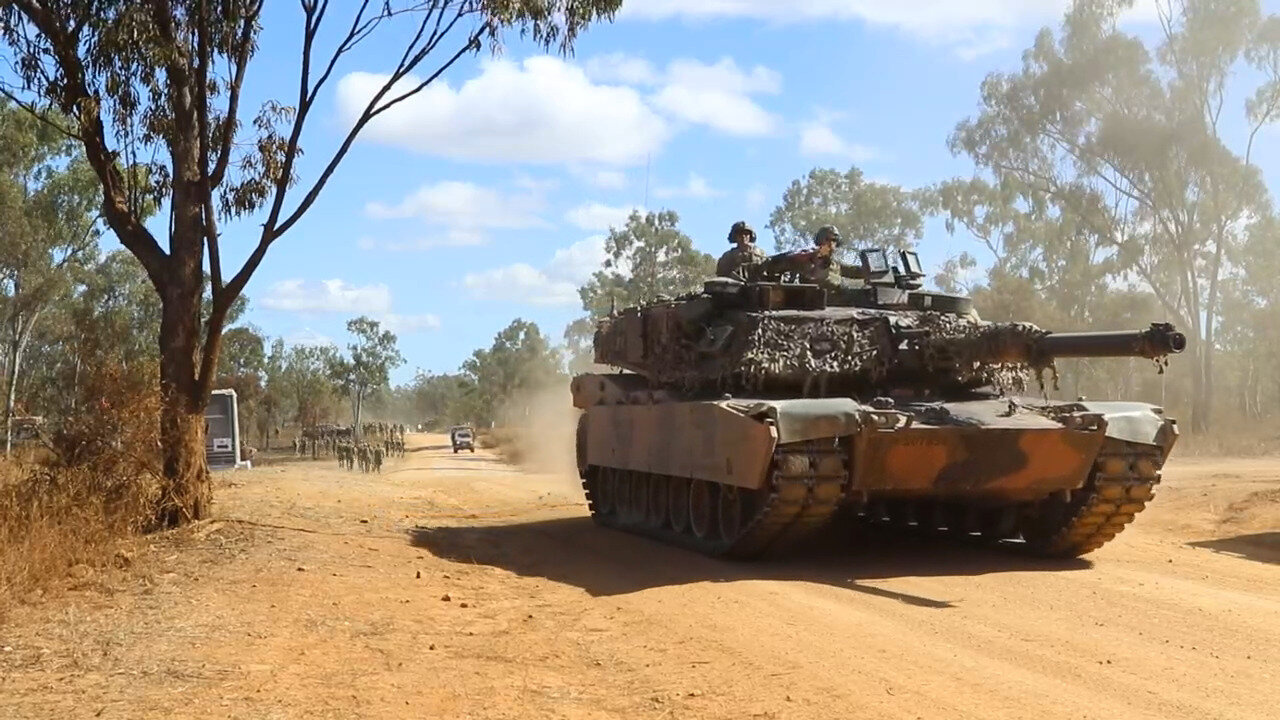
(239, 65)
(273, 228)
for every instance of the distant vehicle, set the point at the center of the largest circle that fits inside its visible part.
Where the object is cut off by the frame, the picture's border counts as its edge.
(462, 438)
(26, 427)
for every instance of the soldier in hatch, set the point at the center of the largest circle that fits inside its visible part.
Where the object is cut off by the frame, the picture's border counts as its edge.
(738, 260)
(824, 270)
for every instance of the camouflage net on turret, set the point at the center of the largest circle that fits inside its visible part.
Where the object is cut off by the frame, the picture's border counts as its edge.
(799, 349)
(814, 352)
(980, 353)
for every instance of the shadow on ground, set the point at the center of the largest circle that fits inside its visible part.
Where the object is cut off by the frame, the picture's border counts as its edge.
(1262, 547)
(425, 448)
(485, 469)
(606, 562)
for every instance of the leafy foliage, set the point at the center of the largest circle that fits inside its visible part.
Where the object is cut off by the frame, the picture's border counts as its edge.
(519, 360)
(1110, 163)
(647, 258)
(373, 355)
(48, 208)
(152, 91)
(867, 213)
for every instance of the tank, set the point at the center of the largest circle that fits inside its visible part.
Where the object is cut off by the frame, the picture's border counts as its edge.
(746, 417)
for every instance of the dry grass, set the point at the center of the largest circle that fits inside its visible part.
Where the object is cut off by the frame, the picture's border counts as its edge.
(96, 485)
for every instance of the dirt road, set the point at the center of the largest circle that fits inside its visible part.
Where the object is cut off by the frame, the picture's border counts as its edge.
(313, 595)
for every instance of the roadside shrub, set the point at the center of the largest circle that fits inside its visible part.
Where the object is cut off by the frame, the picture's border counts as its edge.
(93, 482)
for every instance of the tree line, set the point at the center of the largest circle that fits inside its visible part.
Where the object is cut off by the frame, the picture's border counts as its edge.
(1115, 184)
(150, 93)
(1115, 181)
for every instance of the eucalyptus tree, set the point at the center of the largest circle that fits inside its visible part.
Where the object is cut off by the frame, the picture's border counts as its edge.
(1135, 145)
(868, 213)
(647, 257)
(159, 84)
(49, 226)
(368, 369)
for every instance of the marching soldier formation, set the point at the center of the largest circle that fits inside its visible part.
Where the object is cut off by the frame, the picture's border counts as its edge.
(379, 441)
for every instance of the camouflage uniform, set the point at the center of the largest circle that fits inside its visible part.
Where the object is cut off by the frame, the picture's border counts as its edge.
(825, 271)
(737, 261)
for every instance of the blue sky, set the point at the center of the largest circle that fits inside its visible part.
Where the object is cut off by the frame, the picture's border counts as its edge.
(486, 198)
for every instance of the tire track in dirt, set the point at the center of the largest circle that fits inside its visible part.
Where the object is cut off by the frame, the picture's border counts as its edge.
(550, 616)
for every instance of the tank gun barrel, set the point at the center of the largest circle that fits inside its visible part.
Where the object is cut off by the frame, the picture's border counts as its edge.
(1156, 341)
(1019, 343)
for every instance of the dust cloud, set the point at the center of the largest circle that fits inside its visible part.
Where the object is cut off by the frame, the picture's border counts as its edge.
(539, 430)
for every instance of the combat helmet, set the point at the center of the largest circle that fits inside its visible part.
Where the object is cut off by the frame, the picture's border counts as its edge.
(825, 232)
(740, 227)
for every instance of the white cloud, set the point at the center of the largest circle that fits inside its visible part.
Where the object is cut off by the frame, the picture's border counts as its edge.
(307, 336)
(556, 283)
(542, 110)
(463, 205)
(609, 179)
(336, 296)
(405, 324)
(450, 239)
(578, 262)
(614, 110)
(603, 179)
(464, 211)
(596, 216)
(696, 187)
(818, 139)
(623, 68)
(719, 96)
(297, 295)
(973, 26)
(534, 185)
(756, 198)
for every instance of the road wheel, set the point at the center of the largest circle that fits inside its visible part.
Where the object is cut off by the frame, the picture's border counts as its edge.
(678, 503)
(658, 488)
(702, 509)
(736, 508)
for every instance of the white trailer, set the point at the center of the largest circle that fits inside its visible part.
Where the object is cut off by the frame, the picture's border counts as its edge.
(222, 431)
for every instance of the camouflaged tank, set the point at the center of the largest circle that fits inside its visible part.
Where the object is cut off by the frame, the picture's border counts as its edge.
(749, 415)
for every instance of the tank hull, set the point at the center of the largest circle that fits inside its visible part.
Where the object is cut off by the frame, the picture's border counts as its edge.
(742, 477)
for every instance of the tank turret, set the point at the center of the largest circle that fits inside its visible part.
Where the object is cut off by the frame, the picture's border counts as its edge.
(878, 333)
(749, 412)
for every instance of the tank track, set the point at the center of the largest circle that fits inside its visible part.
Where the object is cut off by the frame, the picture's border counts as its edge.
(1071, 524)
(807, 482)
(1121, 484)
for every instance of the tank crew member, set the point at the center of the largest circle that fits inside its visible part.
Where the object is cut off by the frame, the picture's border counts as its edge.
(825, 269)
(738, 260)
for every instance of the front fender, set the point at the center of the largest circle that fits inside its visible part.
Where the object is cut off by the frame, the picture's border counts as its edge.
(1135, 422)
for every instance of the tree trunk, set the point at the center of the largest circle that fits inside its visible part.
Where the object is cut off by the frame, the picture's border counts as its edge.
(182, 424)
(18, 345)
(1199, 395)
(357, 401)
(11, 386)
(1202, 423)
